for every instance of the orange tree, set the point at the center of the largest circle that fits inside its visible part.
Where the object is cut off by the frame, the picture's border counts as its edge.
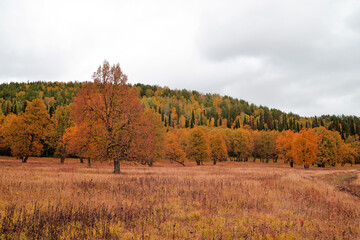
(242, 144)
(267, 145)
(114, 113)
(255, 136)
(198, 148)
(173, 150)
(5, 133)
(354, 144)
(228, 136)
(284, 144)
(153, 138)
(25, 134)
(77, 141)
(305, 147)
(144, 144)
(218, 148)
(347, 154)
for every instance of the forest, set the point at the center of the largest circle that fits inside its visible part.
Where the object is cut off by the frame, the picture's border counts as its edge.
(110, 120)
(193, 166)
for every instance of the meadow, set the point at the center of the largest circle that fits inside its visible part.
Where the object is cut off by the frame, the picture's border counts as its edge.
(43, 199)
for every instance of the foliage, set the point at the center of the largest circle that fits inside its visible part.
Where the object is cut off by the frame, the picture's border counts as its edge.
(181, 108)
(242, 144)
(284, 145)
(62, 121)
(173, 150)
(113, 112)
(25, 134)
(218, 148)
(329, 147)
(198, 148)
(305, 147)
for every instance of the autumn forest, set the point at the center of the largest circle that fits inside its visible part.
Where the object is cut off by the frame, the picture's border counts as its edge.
(110, 120)
(186, 165)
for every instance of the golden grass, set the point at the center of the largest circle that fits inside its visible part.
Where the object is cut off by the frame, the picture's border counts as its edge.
(45, 199)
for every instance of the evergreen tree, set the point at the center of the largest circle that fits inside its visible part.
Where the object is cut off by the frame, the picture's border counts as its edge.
(192, 122)
(170, 119)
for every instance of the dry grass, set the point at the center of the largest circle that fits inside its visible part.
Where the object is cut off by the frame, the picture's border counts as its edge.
(45, 199)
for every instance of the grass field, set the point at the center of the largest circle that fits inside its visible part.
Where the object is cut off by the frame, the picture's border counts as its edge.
(43, 199)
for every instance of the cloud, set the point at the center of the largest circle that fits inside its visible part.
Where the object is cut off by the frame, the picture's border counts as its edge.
(299, 56)
(311, 47)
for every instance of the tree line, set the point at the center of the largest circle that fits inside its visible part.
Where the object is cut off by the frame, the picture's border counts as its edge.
(108, 119)
(180, 108)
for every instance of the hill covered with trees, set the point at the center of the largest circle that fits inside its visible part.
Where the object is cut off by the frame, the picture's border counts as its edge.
(110, 120)
(181, 108)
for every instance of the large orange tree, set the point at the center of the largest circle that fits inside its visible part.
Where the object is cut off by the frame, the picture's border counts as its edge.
(25, 133)
(115, 116)
(305, 147)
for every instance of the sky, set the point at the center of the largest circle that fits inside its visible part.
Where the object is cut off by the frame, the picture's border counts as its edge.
(296, 56)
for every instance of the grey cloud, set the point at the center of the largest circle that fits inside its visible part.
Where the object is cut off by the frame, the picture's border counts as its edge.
(310, 47)
(299, 56)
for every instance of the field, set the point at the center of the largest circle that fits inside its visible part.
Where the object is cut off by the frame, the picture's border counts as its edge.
(44, 199)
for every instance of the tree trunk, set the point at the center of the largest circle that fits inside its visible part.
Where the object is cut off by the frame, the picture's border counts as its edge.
(89, 163)
(254, 159)
(150, 163)
(81, 160)
(214, 162)
(306, 166)
(62, 160)
(116, 166)
(291, 164)
(24, 159)
(197, 162)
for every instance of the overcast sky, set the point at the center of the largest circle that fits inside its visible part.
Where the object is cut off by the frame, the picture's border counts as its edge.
(300, 56)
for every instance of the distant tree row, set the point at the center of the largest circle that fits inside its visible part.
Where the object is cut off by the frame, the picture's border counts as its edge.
(317, 146)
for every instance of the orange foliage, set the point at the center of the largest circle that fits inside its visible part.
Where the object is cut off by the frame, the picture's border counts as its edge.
(242, 143)
(26, 133)
(305, 147)
(284, 144)
(218, 148)
(113, 112)
(173, 150)
(198, 148)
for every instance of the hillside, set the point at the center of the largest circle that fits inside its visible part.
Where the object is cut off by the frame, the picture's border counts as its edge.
(181, 108)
